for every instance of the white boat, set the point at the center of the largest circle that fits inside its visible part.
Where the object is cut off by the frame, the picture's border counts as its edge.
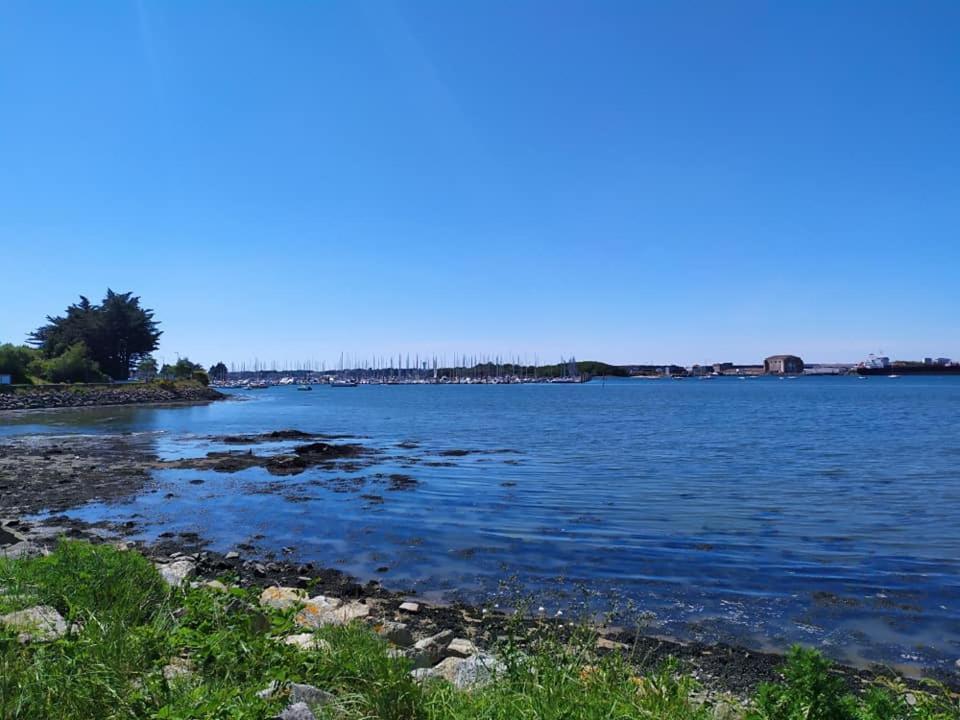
(304, 387)
(343, 383)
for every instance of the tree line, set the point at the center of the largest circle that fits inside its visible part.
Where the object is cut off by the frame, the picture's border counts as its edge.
(94, 342)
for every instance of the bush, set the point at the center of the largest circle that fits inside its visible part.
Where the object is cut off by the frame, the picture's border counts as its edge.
(74, 365)
(810, 692)
(15, 360)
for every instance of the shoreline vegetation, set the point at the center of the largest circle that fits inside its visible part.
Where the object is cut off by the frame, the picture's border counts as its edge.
(116, 631)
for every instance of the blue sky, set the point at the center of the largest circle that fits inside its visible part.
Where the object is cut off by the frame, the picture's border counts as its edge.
(631, 182)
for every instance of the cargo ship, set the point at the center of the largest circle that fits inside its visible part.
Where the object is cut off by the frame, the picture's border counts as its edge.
(882, 366)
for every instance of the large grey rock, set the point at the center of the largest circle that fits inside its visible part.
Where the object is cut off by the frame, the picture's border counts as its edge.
(462, 673)
(176, 573)
(477, 670)
(22, 549)
(41, 623)
(282, 598)
(297, 711)
(318, 612)
(298, 693)
(396, 632)
(430, 650)
(460, 648)
(446, 669)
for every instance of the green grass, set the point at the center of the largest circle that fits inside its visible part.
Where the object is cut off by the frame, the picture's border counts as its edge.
(129, 626)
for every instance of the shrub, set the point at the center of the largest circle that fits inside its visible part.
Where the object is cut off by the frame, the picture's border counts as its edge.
(15, 361)
(810, 691)
(74, 365)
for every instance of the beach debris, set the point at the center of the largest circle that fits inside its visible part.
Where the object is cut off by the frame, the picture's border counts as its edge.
(40, 623)
(410, 607)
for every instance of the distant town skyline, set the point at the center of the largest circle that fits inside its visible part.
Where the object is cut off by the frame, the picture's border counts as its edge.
(622, 182)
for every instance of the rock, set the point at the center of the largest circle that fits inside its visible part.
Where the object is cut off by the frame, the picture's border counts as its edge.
(461, 648)
(429, 651)
(396, 632)
(40, 623)
(260, 569)
(410, 607)
(477, 670)
(447, 669)
(177, 572)
(23, 549)
(298, 692)
(216, 585)
(607, 644)
(320, 611)
(421, 674)
(297, 711)
(178, 669)
(282, 598)
(463, 673)
(306, 641)
(232, 555)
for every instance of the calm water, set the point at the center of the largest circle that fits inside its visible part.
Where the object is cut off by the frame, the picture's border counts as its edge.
(825, 511)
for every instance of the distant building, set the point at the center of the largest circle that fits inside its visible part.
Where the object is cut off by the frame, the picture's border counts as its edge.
(943, 361)
(783, 365)
(928, 361)
(875, 362)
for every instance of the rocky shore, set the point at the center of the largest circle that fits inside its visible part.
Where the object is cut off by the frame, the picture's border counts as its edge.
(455, 642)
(42, 397)
(54, 473)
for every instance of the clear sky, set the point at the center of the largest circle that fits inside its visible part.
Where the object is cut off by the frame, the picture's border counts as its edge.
(631, 182)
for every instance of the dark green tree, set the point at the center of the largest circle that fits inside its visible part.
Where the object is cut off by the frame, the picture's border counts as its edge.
(218, 372)
(117, 333)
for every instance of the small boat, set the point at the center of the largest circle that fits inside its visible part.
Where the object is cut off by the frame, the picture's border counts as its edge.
(343, 383)
(260, 385)
(304, 388)
(893, 376)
